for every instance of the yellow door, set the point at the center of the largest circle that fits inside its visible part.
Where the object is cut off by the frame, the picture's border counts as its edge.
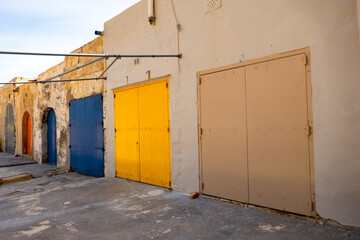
(154, 134)
(127, 134)
(142, 136)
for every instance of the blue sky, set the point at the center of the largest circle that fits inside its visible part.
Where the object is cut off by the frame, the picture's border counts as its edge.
(56, 26)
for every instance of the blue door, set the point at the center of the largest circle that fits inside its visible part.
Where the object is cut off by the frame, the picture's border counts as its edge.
(52, 155)
(87, 135)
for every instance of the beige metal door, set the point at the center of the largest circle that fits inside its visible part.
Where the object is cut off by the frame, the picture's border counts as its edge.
(278, 144)
(223, 135)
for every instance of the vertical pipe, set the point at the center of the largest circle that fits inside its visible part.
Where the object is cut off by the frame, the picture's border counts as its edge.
(151, 15)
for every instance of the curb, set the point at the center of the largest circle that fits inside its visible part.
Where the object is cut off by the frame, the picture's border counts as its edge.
(16, 178)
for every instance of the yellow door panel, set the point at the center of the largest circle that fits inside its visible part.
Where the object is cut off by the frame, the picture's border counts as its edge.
(127, 134)
(155, 166)
(142, 137)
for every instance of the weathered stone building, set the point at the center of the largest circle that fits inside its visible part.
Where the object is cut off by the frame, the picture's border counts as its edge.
(11, 97)
(24, 112)
(32, 103)
(56, 96)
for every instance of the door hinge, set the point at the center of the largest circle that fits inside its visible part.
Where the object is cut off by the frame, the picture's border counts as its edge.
(199, 81)
(69, 124)
(312, 206)
(309, 130)
(305, 60)
(69, 146)
(202, 186)
(168, 129)
(115, 130)
(114, 95)
(169, 184)
(201, 131)
(167, 85)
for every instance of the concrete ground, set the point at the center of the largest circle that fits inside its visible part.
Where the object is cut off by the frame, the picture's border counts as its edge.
(7, 160)
(73, 206)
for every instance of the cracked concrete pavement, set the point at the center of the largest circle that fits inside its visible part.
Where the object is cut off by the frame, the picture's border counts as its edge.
(74, 206)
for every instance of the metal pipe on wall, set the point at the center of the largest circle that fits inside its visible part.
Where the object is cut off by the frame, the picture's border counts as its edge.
(108, 67)
(94, 55)
(151, 12)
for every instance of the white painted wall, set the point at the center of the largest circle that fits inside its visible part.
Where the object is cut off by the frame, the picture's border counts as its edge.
(246, 30)
(358, 14)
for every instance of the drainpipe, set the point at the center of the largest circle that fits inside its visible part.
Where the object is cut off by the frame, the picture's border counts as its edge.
(151, 12)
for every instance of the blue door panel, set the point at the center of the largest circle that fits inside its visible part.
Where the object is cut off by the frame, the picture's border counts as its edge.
(87, 135)
(52, 154)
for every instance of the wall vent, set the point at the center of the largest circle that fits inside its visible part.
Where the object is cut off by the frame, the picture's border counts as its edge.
(211, 5)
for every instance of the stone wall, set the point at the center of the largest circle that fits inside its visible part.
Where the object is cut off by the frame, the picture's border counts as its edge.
(57, 96)
(24, 106)
(7, 95)
(37, 99)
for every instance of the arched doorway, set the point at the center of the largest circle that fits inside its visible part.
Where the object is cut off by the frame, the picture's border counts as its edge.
(9, 129)
(27, 134)
(51, 137)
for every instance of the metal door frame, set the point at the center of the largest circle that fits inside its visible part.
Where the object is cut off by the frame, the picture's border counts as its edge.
(306, 52)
